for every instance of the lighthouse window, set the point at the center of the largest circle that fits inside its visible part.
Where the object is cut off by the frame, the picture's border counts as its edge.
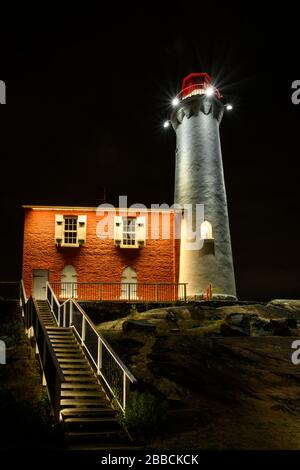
(70, 230)
(129, 229)
(206, 230)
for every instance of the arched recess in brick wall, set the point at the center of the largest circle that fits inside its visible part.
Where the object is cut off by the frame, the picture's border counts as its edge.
(129, 281)
(69, 282)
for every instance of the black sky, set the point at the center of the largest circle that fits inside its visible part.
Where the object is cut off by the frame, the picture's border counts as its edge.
(88, 90)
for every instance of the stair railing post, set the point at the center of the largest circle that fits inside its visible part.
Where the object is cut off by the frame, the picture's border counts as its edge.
(156, 292)
(101, 292)
(83, 330)
(71, 313)
(125, 390)
(99, 356)
(184, 292)
(58, 316)
(64, 315)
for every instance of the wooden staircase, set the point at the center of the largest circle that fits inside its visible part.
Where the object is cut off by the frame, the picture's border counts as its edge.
(86, 412)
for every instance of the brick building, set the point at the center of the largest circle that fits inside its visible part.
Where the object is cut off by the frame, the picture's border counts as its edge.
(107, 255)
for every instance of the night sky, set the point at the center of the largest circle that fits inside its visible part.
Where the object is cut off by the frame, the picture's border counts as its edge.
(88, 91)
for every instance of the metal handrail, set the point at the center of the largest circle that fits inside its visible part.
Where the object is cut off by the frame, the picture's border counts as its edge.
(120, 283)
(23, 291)
(53, 300)
(107, 345)
(52, 372)
(115, 375)
(121, 291)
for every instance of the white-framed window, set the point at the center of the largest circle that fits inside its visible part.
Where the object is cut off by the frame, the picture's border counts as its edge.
(130, 232)
(70, 230)
(206, 230)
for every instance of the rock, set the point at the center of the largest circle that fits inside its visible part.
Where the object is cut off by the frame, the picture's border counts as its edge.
(260, 327)
(278, 327)
(282, 327)
(291, 303)
(180, 312)
(138, 325)
(235, 324)
(289, 306)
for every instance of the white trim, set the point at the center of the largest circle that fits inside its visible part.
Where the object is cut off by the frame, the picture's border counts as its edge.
(94, 209)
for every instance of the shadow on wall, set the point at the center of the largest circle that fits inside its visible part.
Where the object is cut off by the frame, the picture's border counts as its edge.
(208, 247)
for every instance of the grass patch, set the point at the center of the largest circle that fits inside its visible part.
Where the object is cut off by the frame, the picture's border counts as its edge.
(145, 414)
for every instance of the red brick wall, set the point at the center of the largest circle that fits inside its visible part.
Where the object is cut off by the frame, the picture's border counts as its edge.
(98, 260)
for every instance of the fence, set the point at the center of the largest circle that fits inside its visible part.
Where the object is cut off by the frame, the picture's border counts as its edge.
(120, 292)
(106, 362)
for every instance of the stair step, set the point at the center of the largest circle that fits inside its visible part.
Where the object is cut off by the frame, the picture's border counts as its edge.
(75, 385)
(96, 434)
(82, 372)
(62, 334)
(79, 378)
(86, 393)
(108, 419)
(69, 354)
(69, 412)
(65, 360)
(82, 401)
(65, 355)
(62, 343)
(58, 330)
(68, 366)
(62, 339)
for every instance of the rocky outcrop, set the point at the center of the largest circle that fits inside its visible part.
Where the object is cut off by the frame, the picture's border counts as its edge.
(139, 326)
(236, 324)
(277, 318)
(222, 367)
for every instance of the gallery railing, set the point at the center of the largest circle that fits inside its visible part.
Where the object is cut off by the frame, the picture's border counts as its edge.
(106, 362)
(120, 292)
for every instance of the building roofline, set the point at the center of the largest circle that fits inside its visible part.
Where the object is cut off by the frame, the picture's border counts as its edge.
(94, 209)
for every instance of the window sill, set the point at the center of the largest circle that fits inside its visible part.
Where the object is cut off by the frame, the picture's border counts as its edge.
(69, 245)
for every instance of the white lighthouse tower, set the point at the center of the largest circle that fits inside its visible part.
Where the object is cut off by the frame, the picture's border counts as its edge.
(199, 179)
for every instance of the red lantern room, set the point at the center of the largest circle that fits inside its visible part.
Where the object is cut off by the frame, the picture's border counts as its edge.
(198, 84)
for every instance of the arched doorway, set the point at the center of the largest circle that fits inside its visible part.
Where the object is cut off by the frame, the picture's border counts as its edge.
(206, 230)
(69, 282)
(129, 280)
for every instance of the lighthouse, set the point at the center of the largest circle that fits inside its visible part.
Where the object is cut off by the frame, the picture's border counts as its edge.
(199, 182)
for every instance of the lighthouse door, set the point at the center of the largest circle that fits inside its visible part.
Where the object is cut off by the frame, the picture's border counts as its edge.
(128, 290)
(40, 278)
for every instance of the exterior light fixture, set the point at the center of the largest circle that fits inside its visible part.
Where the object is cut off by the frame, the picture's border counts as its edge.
(166, 124)
(175, 101)
(210, 91)
(229, 107)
